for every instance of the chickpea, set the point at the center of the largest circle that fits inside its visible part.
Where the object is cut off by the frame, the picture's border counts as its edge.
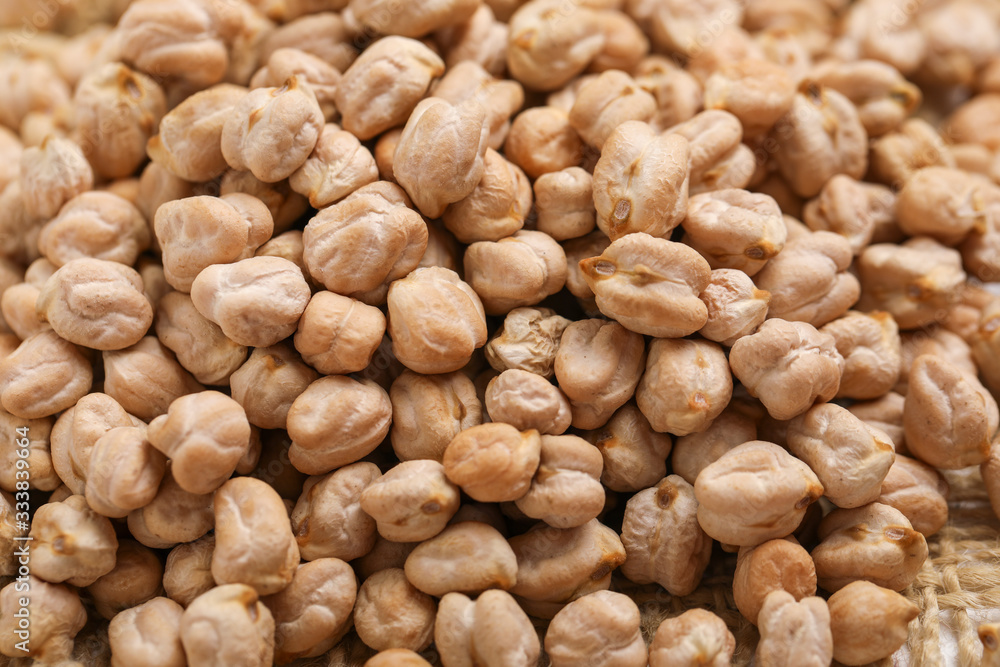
(41, 453)
(775, 565)
(898, 155)
(542, 141)
(466, 557)
(148, 634)
(794, 631)
(528, 341)
(527, 401)
(57, 617)
(871, 348)
(481, 39)
(135, 579)
(188, 571)
(695, 637)
(325, 35)
(853, 209)
(862, 638)
(337, 166)
(124, 472)
(757, 92)
(428, 411)
(44, 375)
(285, 206)
(735, 306)
(735, 229)
(146, 378)
(501, 97)
(228, 625)
(601, 628)
(412, 502)
(72, 543)
(678, 94)
(52, 174)
(173, 516)
(200, 345)
(493, 462)
(327, 519)
(391, 613)
(944, 204)
(548, 46)
(884, 414)
(634, 454)
(519, 270)
(566, 490)
(493, 629)
(322, 77)
(496, 208)
(269, 382)
(918, 491)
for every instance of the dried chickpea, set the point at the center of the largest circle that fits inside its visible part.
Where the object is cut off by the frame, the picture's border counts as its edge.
(870, 346)
(775, 565)
(755, 492)
(17, 308)
(337, 166)
(145, 378)
(481, 39)
(135, 579)
(337, 420)
(382, 16)
(528, 341)
(676, 562)
(944, 204)
(634, 454)
(57, 615)
(501, 97)
(173, 516)
(853, 209)
(391, 613)
(328, 521)
(496, 208)
(337, 334)
(516, 271)
(188, 570)
(735, 306)
(322, 77)
(286, 206)
(44, 375)
(493, 629)
(687, 384)
(396, 657)
(794, 632)
(678, 94)
(696, 637)
(548, 45)
(757, 92)
(860, 638)
(96, 303)
(883, 97)
(148, 634)
(428, 411)
(938, 342)
(601, 628)
(885, 414)
(325, 34)
(228, 625)
(604, 103)
(411, 502)
(466, 557)
(42, 451)
(898, 155)
(71, 543)
(566, 490)
(713, 142)
(52, 174)
(735, 229)
(493, 462)
(527, 401)
(918, 491)
(124, 472)
(269, 382)
(201, 347)
(541, 141)
(874, 542)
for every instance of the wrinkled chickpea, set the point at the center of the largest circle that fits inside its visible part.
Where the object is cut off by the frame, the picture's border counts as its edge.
(735, 229)
(566, 490)
(173, 516)
(188, 570)
(337, 166)
(695, 637)
(57, 616)
(918, 491)
(527, 401)
(124, 472)
(200, 345)
(496, 208)
(542, 141)
(44, 375)
(735, 306)
(228, 625)
(148, 634)
(328, 521)
(493, 462)
(136, 578)
(466, 557)
(412, 501)
(794, 632)
(516, 271)
(72, 543)
(775, 565)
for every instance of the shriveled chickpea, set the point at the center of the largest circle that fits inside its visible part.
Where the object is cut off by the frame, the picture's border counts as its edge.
(335, 421)
(285, 206)
(556, 566)
(493, 462)
(466, 557)
(189, 140)
(44, 375)
(145, 378)
(678, 94)
(860, 638)
(337, 166)
(52, 174)
(789, 366)
(775, 565)
(340, 240)
(687, 384)
(757, 92)
(228, 625)
(436, 320)
(601, 628)
(641, 181)
(412, 502)
(188, 571)
(391, 613)
(40, 456)
(527, 401)
(124, 472)
(57, 615)
(714, 146)
(735, 229)
(650, 285)
(938, 342)
(96, 303)
(918, 491)
(634, 454)
(200, 346)
(849, 457)
(135, 579)
(870, 346)
(173, 516)
(753, 493)
(148, 634)
(898, 155)
(548, 46)
(528, 341)
(322, 76)
(794, 631)
(269, 382)
(328, 521)
(325, 35)
(851, 208)
(944, 204)
(501, 97)
(72, 543)
(541, 141)
(272, 131)
(428, 411)
(696, 637)
(676, 562)
(874, 542)
(491, 628)
(496, 208)
(566, 490)
(735, 306)
(204, 435)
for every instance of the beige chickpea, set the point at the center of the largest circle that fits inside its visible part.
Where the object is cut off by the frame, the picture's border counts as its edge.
(256, 302)
(885, 414)
(466, 557)
(188, 570)
(794, 631)
(157, 186)
(124, 472)
(675, 26)
(339, 242)
(189, 140)
(272, 131)
(686, 385)
(11, 148)
(849, 457)
(516, 271)
(898, 155)
(314, 611)
(200, 346)
(883, 97)
(870, 346)
(57, 615)
(197, 232)
(173, 516)
(135, 579)
(944, 204)
(254, 544)
(735, 229)
(269, 382)
(328, 521)
(42, 450)
(391, 613)
(757, 92)
(875, 543)
(460, 131)
(678, 94)
(71, 543)
(384, 554)
(860, 638)
(148, 634)
(228, 625)
(541, 141)
(548, 45)
(337, 334)
(428, 411)
(851, 208)
(938, 342)
(601, 628)
(204, 435)
(528, 341)
(606, 102)
(566, 491)
(17, 308)
(695, 637)
(650, 285)
(789, 366)
(493, 629)
(501, 98)
(625, 44)
(527, 401)
(493, 462)
(436, 320)
(288, 245)
(411, 502)
(496, 208)
(819, 137)
(775, 565)
(335, 421)
(285, 206)
(284, 63)
(96, 303)
(116, 110)
(337, 166)
(949, 418)
(735, 306)
(564, 202)
(556, 566)
(676, 562)
(396, 657)
(634, 454)
(37, 89)
(641, 181)
(755, 492)
(52, 174)
(713, 140)
(145, 378)
(44, 375)
(481, 39)
(382, 16)
(918, 491)
(20, 229)
(325, 35)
